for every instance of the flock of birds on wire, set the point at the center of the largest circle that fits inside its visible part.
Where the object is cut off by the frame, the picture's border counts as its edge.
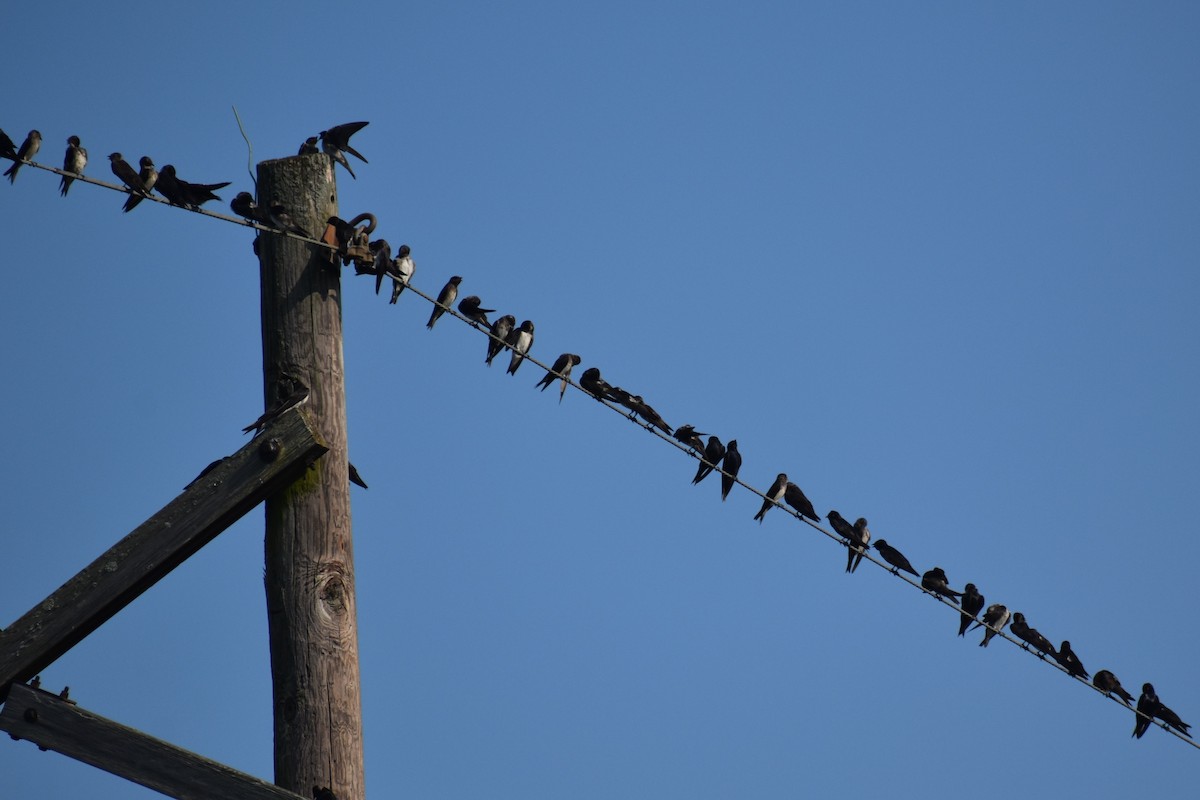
(350, 242)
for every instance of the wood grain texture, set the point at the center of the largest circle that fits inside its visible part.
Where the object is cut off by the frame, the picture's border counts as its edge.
(311, 609)
(57, 725)
(207, 506)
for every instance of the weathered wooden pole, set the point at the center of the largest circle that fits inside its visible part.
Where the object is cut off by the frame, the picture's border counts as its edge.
(309, 552)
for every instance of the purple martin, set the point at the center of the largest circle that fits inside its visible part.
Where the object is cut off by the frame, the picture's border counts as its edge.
(323, 793)
(644, 410)
(126, 174)
(149, 177)
(29, 149)
(1067, 659)
(355, 478)
(794, 496)
(309, 147)
(1168, 716)
(402, 271)
(689, 436)
(1147, 704)
(244, 206)
(935, 582)
(182, 193)
(994, 620)
(774, 495)
(445, 300)
(730, 465)
(74, 161)
(894, 557)
(7, 148)
(1020, 629)
(382, 252)
(972, 604)
(561, 369)
(280, 218)
(469, 308)
(519, 341)
(498, 339)
(1106, 682)
(621, 397)
(593, 384)
(862, 538)
(298, 395)
(714, 451)
(840, 526)
(336, 142)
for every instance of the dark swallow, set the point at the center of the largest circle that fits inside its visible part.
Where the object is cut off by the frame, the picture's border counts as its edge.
(1067, 659)
(336, 142)
(323, 793)
(794, 496)
(244, 206)
(894, 557)
(29, 149)
(402, 271)
(74, 161)
(1147, 705)
(859, 546)
(1172, 719)
(279, 218)
(149, 177)
(935, 581)
(519, 341)
(182, 193)
(774, 495)
(689, 436)
(297, 396)
(644, 410)
(714, 451)
(621, 397)
(126, 174)
(994, 620)
(972, 604)
(309, 147)
(593, 384)
(382, 252)
(36, 682)
(1020, 629)
(1106, 682)
(469, 308)
(7, 148)
(498, 339)
(730, 465)
(561, 369)
(207, 470)
(840, 526)
(445, 300)
(355, 478)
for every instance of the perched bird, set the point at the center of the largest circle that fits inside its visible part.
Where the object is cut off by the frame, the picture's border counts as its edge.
(859, 546)
(8, 148)
(1106, 682)
(1067, 659)
(714, 451)
(644, 410)
(381, 249)
(336, 142)
(730, 464)
(561, 369)
(298, 395)
(795, 497)
(972, 604)
(593, 384)
(244, 206)
(309, 147)
(323, 793)
(445, 300)
(994, 620)
(935, 581)
(774, 495)
(207, 470)
(280, 218)
(689, 436)
(840, 526)
(499, 337)
(894, 557)
(355, 478)
(1022, 631)
(620, 397)
(28, 149)
(182, 193)
(1151, 706)
(126, 174)
(74, 161)
(149, 177)
(402, 271)
(519, 341)
(469, 308)
(1172, 719)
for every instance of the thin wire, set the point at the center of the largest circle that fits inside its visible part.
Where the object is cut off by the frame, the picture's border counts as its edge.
(249, 150)
(647, 426)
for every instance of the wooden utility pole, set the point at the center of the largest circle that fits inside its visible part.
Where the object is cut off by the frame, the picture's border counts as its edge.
(309, 552)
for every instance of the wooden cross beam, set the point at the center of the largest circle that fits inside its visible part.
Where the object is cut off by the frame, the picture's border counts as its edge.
(62, 726)
(267, 464)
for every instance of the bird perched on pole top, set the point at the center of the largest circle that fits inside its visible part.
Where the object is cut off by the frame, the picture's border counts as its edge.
(336, 142)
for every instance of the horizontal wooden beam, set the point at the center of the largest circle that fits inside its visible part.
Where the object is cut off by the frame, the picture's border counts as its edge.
(268, 464)
(64, 727)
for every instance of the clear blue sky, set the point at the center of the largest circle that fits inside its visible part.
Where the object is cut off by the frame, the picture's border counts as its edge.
(939, 262)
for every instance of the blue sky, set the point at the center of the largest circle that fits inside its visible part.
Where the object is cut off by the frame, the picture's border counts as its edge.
(936, 261)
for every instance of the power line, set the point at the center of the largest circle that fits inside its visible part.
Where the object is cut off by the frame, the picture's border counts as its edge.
(632, 418)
